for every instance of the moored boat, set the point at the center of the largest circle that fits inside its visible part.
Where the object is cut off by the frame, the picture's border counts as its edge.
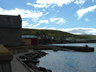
(55, 49)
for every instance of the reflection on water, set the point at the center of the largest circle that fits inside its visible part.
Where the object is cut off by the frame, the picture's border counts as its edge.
(68, 61)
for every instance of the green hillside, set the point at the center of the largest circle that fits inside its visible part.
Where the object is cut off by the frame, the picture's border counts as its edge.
(56, 33)
(89, 36)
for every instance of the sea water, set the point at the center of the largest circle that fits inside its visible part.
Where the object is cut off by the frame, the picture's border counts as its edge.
(70, 61)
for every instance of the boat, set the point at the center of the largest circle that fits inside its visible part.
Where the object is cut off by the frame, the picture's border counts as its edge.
(55, 49)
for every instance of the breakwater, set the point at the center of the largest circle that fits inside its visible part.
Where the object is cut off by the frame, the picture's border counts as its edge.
(65, 48)
(76, 48)
(80, 48)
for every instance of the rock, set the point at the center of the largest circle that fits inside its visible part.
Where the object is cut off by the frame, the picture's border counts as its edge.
(49, 70)
(32, 60)
(25, 62)
(22, 57)
(42, 69)
(29, 58)
(29, 64)
(35, 62)
(34, 66)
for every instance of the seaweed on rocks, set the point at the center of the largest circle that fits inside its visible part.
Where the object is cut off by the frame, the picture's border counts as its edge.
(31, 60)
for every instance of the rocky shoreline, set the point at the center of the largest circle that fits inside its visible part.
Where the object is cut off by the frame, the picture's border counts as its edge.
(31, 60)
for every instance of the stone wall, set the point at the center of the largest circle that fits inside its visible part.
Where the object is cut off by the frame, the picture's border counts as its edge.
(20, 49)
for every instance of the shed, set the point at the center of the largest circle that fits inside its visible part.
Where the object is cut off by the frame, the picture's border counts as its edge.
(29, 40)
(10, 30)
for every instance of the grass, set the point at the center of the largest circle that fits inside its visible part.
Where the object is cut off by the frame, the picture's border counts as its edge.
(56, 33)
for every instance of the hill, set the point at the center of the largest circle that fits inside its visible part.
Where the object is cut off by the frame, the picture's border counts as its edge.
(56, 33)
(89, 36)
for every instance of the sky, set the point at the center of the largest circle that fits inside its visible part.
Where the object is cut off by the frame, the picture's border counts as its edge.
(73, 16)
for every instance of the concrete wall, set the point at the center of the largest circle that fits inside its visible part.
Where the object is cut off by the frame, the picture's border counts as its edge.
(10, 37)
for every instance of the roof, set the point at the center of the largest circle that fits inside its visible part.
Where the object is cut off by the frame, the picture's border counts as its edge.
(10, 21)
(29, 36)
(5, 53)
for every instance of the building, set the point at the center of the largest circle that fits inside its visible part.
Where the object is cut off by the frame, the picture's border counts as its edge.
(10, 30)
(29, 40)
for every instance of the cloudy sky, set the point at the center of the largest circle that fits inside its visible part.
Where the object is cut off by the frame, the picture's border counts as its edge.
(74, 16)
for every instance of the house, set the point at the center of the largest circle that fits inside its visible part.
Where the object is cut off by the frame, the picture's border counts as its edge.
(29, 40)
(10, 30)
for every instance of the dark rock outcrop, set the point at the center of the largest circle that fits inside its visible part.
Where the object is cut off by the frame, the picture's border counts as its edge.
(31, 60)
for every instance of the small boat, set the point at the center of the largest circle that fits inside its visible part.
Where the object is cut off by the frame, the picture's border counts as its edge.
(55, 49)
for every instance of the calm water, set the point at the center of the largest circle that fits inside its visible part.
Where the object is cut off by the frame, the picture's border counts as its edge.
(69, 61)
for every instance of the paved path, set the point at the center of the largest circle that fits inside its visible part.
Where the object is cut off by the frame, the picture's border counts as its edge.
(16, 65)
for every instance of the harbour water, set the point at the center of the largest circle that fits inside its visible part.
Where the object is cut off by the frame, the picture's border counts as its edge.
(70, 61)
